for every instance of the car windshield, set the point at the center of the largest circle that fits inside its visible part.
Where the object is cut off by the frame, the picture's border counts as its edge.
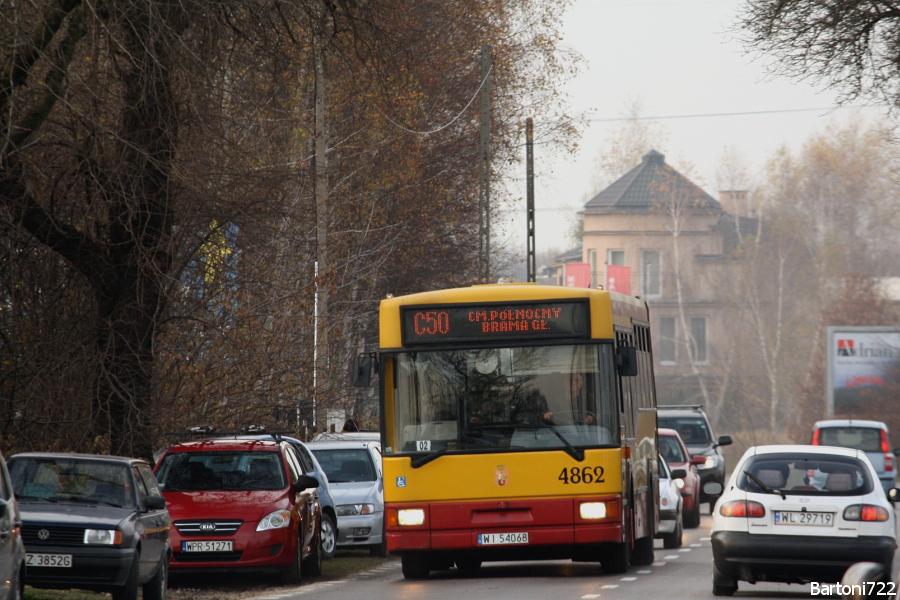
(670, 449)
(504, 399)
(806, 474)
(70, 480)
(867, 439)
(204, 471)
(692, 429)
(346, 465)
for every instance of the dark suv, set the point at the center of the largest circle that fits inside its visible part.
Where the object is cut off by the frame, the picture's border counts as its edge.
(92, 522)
(692, 425)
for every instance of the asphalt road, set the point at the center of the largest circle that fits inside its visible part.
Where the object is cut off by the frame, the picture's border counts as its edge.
(677, 574)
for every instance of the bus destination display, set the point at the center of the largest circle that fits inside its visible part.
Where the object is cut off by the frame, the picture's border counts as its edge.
(471, 323)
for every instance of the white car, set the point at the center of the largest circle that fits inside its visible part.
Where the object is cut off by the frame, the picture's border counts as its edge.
(797, 514)
(671, 525)
(356, 478)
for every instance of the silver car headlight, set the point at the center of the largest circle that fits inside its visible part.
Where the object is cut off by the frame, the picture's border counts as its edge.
(351, 510)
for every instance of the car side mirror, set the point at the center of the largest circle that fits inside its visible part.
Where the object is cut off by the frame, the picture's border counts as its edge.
(896, 451)
(362, 371)
(699, 459)
(305, 482)
(893, 494)
(725, 440)
(712, 488)
(155, 502)
(679, 473)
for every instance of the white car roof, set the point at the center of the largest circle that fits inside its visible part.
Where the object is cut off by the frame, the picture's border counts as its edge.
(804, 448)
(342, 444)
(850, 423)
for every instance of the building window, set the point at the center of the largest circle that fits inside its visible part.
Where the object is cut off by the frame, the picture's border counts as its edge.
(667, 347)
(615, 257)
(650, 273)
(698, 339)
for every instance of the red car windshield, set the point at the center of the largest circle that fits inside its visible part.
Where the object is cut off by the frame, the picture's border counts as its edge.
(204, 471)
(670, 449)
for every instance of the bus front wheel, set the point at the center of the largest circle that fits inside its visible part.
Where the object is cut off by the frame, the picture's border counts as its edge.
(415, 565)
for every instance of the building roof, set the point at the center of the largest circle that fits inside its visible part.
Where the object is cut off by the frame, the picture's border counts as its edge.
(569, 256)
(648, 186)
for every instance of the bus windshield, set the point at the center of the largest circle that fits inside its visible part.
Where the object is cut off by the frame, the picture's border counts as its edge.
(505, 399)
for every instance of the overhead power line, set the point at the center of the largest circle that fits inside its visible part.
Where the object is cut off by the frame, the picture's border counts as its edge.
(731, 114)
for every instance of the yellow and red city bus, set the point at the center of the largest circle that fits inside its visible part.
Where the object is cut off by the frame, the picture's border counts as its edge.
(518, 423)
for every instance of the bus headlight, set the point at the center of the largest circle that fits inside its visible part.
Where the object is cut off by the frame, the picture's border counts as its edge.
(410, 516)
(593, 510)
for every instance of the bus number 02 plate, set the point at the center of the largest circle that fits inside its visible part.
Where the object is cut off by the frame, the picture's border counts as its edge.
(493, 539)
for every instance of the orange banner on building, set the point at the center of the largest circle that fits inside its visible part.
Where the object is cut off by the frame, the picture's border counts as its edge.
(577, 275)
(618, 279)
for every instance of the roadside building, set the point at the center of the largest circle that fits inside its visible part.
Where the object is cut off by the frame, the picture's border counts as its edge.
(655, 234)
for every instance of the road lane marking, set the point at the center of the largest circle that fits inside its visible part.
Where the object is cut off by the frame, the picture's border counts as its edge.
(659, 563)
(590, 596)
(628, 579)
(646, 572)
(608, 586)
(685, 550)
(696, 545)
(672, 556)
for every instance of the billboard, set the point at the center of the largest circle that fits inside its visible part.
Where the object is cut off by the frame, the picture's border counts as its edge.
(859, 361)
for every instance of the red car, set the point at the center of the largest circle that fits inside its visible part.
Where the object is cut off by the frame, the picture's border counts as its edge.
(241, 504)
(673, 450)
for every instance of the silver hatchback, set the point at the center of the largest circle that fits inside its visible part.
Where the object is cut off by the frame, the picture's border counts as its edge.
(355, 473)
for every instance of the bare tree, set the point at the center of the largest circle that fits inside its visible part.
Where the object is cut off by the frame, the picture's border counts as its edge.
(852, 46)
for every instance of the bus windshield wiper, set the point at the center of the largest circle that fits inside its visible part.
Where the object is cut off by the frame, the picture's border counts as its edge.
(424, 460)
(576, 453)
(765, 488)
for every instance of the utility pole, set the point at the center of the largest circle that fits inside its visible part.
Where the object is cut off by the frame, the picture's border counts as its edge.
(529, 196)
(484, 216)
(320, 372)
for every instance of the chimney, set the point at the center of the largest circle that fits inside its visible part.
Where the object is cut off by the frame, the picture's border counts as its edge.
(735, 202)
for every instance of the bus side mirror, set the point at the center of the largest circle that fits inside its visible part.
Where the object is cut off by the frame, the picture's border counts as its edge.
(626, 361)
(362, 371)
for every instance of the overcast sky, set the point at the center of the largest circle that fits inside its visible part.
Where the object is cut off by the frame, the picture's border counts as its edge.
(679, 59)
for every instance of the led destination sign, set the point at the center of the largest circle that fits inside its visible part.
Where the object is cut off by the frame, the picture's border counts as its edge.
(465, 323)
